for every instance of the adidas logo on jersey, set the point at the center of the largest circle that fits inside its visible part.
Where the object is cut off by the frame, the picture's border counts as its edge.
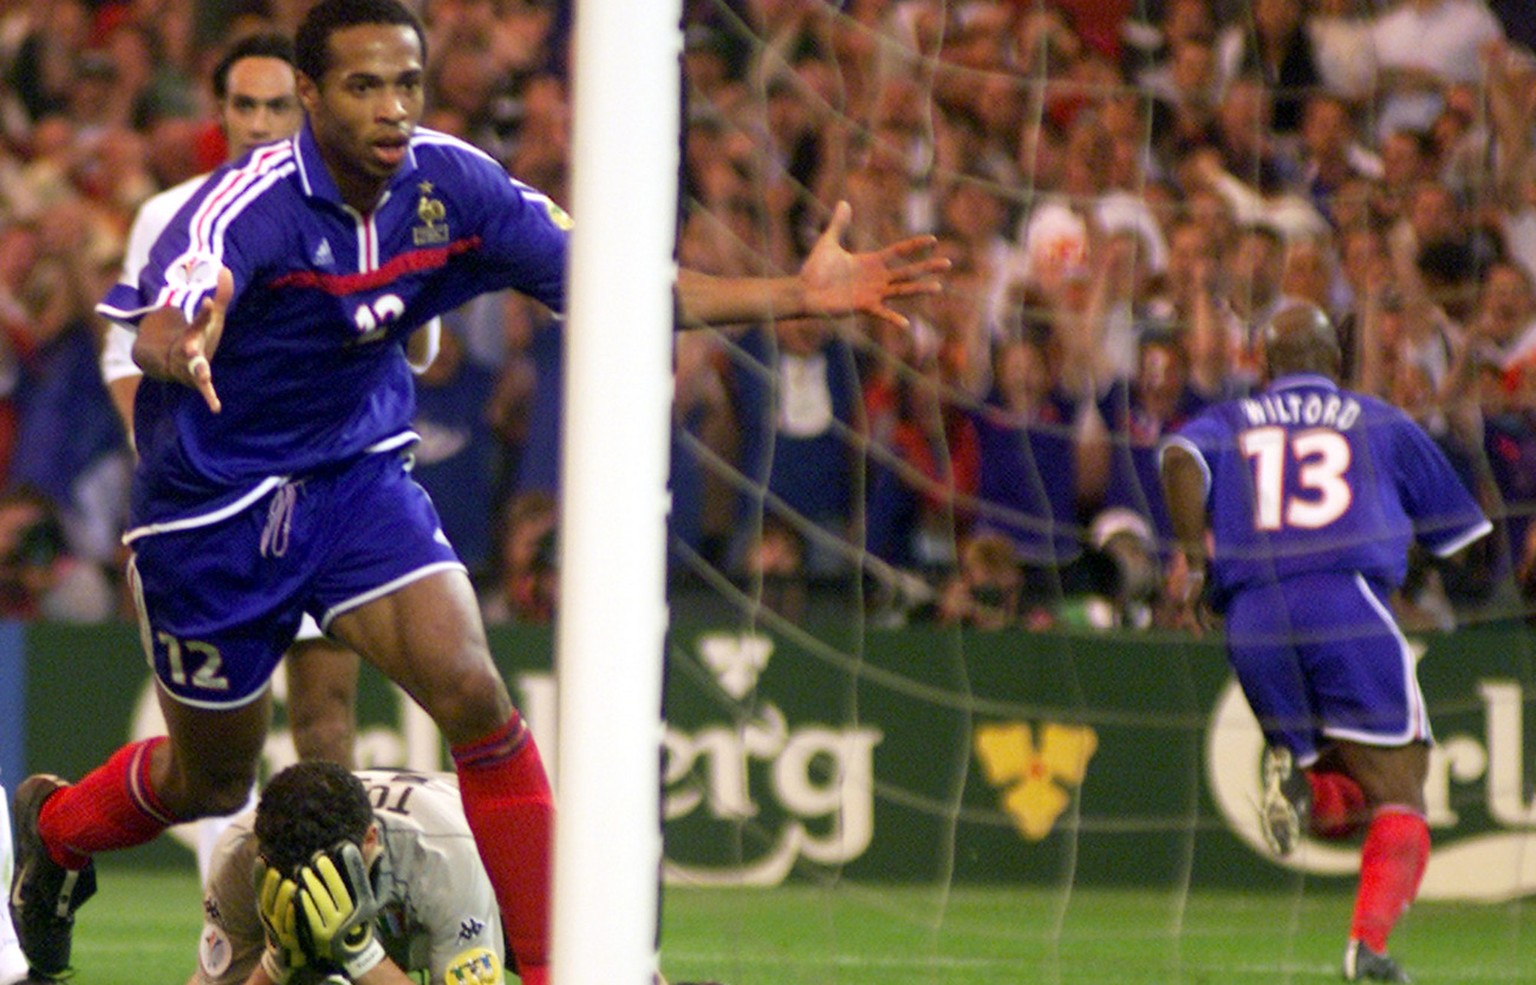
(322, 257)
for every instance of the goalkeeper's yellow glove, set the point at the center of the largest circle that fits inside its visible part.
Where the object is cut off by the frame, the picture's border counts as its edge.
(275, 902)
(336, 910)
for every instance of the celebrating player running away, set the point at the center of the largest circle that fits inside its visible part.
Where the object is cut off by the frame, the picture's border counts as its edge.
(1310, 495)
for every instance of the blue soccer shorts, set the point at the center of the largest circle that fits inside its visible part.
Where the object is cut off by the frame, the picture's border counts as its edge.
(220, 603)
(1320, 657)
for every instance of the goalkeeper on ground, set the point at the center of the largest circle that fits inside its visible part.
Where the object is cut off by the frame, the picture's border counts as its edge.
(362, 876)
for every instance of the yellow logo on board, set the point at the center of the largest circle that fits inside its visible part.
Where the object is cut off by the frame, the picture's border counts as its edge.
(1034, 778)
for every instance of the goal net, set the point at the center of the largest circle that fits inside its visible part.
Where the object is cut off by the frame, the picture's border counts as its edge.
(922, 674)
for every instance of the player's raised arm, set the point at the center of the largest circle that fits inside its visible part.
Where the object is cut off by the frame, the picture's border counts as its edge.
(168, 348)
(833, 281)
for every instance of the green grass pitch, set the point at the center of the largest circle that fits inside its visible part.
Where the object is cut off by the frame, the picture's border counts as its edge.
(141, 929)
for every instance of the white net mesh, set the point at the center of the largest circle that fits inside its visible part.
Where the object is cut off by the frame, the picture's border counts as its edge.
(1127, 192)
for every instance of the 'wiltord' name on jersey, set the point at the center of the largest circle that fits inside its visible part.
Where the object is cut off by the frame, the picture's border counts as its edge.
(1310, 408)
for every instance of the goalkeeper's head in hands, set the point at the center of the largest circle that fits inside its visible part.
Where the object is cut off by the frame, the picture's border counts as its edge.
(316, 842)
(313, 807)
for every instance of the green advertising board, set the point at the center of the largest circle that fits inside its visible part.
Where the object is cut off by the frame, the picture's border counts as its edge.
(929, 754)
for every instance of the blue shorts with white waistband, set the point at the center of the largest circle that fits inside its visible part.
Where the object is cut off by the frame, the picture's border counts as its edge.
(220, 603)
(1320, 658)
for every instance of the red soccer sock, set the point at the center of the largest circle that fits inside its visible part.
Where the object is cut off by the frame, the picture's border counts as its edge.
(1338, 805)
(511, 812)
(113, 806)
(1391, 865)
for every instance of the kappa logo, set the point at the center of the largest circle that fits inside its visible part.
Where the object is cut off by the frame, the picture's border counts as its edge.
(469, 929)
(323, 257)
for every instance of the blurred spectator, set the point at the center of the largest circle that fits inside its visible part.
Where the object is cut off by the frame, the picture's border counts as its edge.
(1245, 139)
(1509, 441)
(922, 474)
(1254, 293)
(526, 589)
(528, 402)
(69, 443)
(1408, 157)
(1124, 572)
(1276, 49)
(973, 211)
(1332, 154)
(455, 456)
(1366, 271)
(1341, 44)
(1138, 412)
(795, 392)
(39, 579)
(1420, 46)
(985, 590)
(1503, 328)
(43, 71)
(1028, 485)
(703, 435)
(775, 567)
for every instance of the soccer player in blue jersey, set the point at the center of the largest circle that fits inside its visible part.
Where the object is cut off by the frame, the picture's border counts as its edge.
(1309, 496)
(291, 279)
(255, 88)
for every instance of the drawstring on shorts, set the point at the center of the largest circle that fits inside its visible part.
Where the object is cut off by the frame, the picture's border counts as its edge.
(274, 537)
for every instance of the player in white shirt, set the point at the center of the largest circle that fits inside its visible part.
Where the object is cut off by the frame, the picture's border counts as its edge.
(436, 911)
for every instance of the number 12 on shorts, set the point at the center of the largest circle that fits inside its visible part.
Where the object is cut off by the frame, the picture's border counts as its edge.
(178, 653)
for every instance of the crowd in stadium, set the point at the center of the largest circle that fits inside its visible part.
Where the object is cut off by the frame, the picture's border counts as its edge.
(1128, 190)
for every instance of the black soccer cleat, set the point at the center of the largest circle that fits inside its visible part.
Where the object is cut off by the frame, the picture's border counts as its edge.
(1287, 800)
(1361, 964)
(44, 894)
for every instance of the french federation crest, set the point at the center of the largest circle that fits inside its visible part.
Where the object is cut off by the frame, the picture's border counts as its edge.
(432, 212)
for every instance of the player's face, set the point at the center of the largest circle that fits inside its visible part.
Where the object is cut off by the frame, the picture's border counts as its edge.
(364, 110)
(261, 103)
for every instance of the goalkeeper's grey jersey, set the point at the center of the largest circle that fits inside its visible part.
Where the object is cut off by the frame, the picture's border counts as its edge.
(437, 909)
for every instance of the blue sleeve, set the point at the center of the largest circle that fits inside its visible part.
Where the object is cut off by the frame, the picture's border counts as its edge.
(525, 235)
(215, 228)
(1445, 515)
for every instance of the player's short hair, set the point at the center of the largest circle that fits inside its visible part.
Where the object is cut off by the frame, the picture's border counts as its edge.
(313, 43)
(307, 808)
(264, 44)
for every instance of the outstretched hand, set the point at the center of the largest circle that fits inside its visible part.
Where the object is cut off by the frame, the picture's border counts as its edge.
(191, 355)
(839, 282)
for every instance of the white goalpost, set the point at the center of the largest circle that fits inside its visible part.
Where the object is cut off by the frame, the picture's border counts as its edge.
(618, 386)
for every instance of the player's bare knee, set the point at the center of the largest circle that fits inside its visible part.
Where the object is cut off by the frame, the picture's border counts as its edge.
(470, 706)
(223, 792)
(328, 738)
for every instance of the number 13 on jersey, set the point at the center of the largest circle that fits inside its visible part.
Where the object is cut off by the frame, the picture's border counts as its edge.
(1321, 492)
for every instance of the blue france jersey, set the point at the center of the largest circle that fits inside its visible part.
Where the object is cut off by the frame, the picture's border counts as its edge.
(311, 366)
(1306, 477)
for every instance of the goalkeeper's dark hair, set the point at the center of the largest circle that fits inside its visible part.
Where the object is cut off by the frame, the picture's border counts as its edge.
(264, 44)
(308, 808)
(313, 42)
